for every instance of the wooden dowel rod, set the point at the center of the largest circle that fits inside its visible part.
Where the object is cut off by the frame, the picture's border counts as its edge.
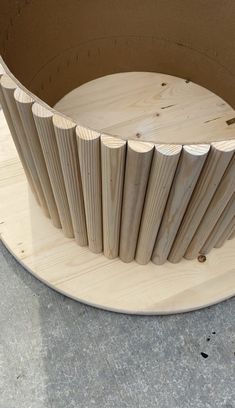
(232, 235)
(68, 151)
(16, 140)
(90, 167)
(226, 234)
(113, 152)
(216, 163)
(24, 104)
(214, 211)
(2, 71)
(8, 88)
(138, 162)
(221, 225)
(46, 133)
(164, 163)
(189, 168)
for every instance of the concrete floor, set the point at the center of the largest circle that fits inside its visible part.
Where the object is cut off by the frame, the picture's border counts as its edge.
(55, 352)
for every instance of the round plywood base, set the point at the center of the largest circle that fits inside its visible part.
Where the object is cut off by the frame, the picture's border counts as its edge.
(93, 279)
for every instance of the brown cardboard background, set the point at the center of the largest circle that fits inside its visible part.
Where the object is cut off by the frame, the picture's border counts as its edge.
(52, 46)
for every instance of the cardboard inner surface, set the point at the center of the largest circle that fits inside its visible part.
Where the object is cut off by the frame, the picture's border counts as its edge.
(54, 46)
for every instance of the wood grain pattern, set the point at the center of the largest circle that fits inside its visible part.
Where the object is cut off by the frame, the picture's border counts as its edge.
(93, 279)
(138, 162)
(24, 104)
(90, 167)
(113, 154)
(226, 234)
(15, 138)
(217, 205)
(220, 227)
(151, 107)
(163, 205)
(68, 151)
(46, 133)
(8, 88)
(216, 163)
(163, 169)
(232, 236)
(189, 168)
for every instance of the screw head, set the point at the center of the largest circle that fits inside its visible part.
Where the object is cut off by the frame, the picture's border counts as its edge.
(201, 258)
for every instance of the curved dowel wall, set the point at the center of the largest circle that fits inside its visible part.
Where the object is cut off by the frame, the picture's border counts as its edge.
(67, 146)
(24, 104)
(226, 234)
(220, 229)
(15, 135)
(113, 154)
(217, 205)
(217, 161)
(137, 200)
(129, 199)
(190, 165)
(90, 166)
(138, 163)
(162, 173)
(47, 137)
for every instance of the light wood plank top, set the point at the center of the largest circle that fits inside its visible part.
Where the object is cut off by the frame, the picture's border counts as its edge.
(150, 107)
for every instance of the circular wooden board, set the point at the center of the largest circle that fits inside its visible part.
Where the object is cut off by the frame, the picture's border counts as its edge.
(151, 107)
(92, 279)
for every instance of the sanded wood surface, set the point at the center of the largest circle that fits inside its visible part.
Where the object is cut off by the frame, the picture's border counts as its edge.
(151, 107)
(14, 135)
(163, 169)
(24, 104)
(68, 151)
(91, 278)
(217, 205)
(46, 133)
(8, 88)
(90, 166)
(188, 170)
(138, 162)
(216, 163)
(146, 204)
(225, 234)
(113, 154)
(223, 224)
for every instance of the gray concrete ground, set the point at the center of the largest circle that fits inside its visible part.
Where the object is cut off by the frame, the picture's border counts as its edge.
(55, 352)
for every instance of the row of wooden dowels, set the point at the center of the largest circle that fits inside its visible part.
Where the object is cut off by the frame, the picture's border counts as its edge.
(129, 199)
